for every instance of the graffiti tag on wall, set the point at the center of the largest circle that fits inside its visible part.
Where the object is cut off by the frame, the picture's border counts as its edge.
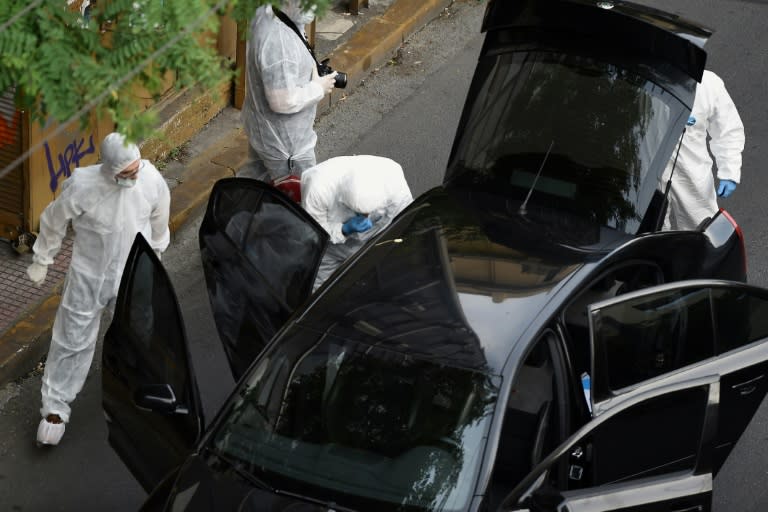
(67, 159)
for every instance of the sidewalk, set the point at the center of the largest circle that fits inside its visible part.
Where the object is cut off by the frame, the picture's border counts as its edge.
(355, 44)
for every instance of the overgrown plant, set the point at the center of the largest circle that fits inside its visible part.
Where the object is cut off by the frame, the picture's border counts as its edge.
(62, 64)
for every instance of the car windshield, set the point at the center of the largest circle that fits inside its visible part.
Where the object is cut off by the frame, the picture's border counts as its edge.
(359, 425)
(567, 134)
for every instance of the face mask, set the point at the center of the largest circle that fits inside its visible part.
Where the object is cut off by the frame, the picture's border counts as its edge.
(125, 182)
(305, 18)
(299, 17)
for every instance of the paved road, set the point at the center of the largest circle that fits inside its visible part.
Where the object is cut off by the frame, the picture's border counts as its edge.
(407, 111)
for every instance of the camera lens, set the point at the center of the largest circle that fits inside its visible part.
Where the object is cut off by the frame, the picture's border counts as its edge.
(340, 82)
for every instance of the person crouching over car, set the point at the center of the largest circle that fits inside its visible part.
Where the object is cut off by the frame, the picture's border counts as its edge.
(353, 198)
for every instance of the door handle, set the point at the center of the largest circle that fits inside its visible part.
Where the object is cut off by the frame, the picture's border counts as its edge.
(748, 387)
(695, 508)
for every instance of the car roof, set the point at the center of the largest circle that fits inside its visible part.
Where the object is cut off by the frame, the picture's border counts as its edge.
(452, 280)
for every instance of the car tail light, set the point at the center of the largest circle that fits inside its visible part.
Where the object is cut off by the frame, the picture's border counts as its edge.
(290, 185)
(740, 234)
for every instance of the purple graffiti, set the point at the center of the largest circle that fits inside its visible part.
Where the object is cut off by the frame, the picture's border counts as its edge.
(71, 156)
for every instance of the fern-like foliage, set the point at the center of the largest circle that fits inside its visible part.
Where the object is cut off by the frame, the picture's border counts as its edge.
(62, 63)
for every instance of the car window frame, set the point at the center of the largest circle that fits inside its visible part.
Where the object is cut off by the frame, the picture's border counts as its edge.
(600, 405)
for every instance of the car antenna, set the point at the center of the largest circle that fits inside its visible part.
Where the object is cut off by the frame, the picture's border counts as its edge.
(523, 207)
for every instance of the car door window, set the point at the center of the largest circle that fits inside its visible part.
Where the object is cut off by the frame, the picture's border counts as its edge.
(666, 436)
(656, 437)
(147, 308)
(741, 317)
(641, 338)
(260, 252)
(259, 225)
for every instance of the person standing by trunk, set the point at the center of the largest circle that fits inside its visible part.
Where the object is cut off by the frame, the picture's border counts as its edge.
(693, 195)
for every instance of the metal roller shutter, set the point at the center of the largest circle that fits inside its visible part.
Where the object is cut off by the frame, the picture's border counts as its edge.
(12, 184)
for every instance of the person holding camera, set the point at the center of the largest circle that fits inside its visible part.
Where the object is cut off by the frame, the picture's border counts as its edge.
(283, 88)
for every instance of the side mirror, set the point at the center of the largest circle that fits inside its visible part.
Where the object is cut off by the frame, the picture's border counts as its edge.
(158, 398)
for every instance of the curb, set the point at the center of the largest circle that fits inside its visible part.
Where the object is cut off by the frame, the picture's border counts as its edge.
(374, 44)
(24, 344)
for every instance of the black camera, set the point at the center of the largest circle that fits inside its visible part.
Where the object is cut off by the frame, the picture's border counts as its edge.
(340, 81)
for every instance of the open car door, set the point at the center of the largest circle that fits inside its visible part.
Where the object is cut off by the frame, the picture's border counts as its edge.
(150, 396)
(260, 253)
(685, 330)
(653, 451)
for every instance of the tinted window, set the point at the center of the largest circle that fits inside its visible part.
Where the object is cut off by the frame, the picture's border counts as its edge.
(566, 133)
(152, 318)
(642, 338)
(362, 426)
(659, 436)
(280, 244)
(260, 252)
(741, 317)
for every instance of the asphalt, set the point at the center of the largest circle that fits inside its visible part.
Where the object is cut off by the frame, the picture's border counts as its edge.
(355, 45)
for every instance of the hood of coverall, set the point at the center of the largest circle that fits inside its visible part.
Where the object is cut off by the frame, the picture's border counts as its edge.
(301, 17)
(365, 192)
(116, 155)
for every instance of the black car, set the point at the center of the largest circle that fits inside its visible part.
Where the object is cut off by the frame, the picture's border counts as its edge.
(443, 367)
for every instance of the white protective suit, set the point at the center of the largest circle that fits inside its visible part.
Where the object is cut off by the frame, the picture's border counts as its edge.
(692, 197)
(339, 188)
(281, 97)
(105, 218)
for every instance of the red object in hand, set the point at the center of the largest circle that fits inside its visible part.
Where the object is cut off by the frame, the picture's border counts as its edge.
(289, 185)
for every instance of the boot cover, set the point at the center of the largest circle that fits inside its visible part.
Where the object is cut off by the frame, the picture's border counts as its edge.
(49, 433)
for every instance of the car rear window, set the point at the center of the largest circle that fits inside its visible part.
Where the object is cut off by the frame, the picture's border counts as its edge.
(566, 133)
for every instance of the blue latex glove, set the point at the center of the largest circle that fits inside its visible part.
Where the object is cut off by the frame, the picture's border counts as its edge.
(726, 188)
(357, 224)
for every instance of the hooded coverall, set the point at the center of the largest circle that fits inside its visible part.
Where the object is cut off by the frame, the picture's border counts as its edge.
(281, 97)
(692, 195)
(105, 218)
(340, 188)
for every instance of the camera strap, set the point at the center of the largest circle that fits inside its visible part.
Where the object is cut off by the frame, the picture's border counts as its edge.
(285, 19)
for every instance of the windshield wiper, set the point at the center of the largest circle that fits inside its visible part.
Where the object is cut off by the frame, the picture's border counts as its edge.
(240, 469)
(332, 506)
(262, 484)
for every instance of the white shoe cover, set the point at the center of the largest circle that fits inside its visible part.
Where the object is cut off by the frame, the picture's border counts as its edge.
(49, 433)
